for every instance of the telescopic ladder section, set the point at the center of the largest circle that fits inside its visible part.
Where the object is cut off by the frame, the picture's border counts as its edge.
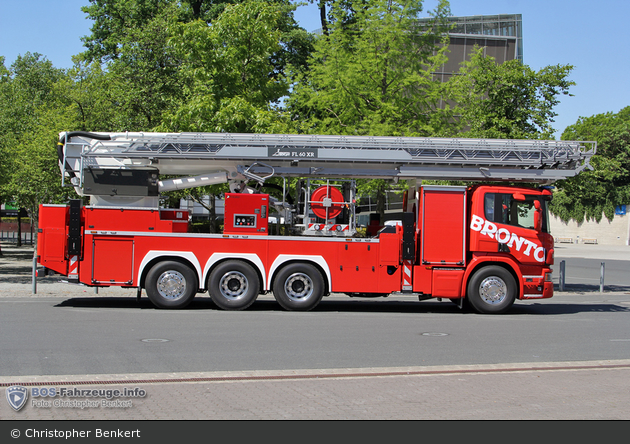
(256, 156)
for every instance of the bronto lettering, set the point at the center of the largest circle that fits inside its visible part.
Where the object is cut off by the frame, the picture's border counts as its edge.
(504, 236)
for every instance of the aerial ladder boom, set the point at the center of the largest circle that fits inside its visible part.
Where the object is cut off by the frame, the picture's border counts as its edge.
(209, 158)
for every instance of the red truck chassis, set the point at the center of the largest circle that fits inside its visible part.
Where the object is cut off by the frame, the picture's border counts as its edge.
(485, 245)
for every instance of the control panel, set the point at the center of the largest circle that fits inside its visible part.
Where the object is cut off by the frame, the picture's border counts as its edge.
(246, 213)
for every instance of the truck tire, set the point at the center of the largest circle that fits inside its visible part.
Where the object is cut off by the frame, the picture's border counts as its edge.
(298, 287)
(171, 284)
(233, 285)
(492, 290)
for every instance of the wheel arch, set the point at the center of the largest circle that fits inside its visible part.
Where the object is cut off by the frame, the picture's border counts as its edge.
(153, 257)
(218, 258)
(479, 263)
(284, 260)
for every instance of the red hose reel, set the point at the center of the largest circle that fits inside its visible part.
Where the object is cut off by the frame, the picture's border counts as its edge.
(327, 198)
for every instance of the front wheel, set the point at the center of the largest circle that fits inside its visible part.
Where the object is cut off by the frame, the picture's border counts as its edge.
(233, 285)
(298, 287)
(492, 289)
(171, 284)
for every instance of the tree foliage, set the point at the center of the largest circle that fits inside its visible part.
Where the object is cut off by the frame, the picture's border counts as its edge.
(343, 13)
(6, 123)
(30, 115)
(370, 73)
(508, 100)
(594, 194)
(227, 71)
(190, 65)
(130, 39)
(373, 75)
(147, 47)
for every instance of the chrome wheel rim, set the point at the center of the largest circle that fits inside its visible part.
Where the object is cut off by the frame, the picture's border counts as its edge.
(233, 285)
(493, 290)
(298, 287)
(171, 285)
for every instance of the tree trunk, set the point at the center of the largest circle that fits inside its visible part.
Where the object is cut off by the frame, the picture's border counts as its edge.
(322, 18)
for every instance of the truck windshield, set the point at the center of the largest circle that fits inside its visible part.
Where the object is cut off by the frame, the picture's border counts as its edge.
(502, 208)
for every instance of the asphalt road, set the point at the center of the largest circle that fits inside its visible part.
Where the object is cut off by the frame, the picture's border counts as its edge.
(92, 335)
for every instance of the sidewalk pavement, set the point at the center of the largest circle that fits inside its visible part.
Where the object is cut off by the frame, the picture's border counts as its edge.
(588, 390)
(596, 251)
(592, 390)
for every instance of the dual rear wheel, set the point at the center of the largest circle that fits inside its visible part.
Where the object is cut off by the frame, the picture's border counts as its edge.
(298, 287)
(235, 285)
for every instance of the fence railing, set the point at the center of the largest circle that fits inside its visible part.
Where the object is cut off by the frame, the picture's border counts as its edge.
(12, 236)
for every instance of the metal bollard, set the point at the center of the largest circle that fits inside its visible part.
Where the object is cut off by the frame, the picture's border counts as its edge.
(34, 274)
(562, 275)
(601, 277)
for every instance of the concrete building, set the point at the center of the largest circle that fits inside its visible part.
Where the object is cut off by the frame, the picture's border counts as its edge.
(500, 36)
(615, 232)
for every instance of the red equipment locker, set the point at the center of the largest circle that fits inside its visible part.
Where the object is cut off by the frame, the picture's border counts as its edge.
(443, 225)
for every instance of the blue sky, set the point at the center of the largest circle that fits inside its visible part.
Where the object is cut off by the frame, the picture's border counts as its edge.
(590, 35)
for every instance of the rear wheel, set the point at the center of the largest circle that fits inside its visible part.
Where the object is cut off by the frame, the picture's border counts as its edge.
(171, 284)
(298, 287)
(492, 289)
(233, 285)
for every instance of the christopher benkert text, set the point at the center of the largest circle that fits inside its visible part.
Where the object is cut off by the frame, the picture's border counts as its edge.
(98, 433)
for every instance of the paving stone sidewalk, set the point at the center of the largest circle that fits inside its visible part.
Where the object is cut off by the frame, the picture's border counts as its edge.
(561, 391)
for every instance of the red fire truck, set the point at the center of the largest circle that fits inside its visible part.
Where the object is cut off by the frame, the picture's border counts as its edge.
(486, 245)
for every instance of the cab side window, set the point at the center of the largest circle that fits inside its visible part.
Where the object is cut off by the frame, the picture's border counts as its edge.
(502, 208)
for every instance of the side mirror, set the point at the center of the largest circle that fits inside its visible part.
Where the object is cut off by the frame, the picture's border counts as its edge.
(537, 216)
(518, 197)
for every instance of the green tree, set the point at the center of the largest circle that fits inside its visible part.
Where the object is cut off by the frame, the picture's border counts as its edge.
(6, 124)
(31, 114)
(373, 76)
(594, 194)
(87, 94)
(346, 10)
(229, 78)
(227, 71)
(130, 38)
(508, 100)
(147, 63)
(116, 24)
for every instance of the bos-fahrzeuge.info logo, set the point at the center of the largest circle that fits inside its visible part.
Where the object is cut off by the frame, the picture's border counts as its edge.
(64, 397)
(17, 397)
